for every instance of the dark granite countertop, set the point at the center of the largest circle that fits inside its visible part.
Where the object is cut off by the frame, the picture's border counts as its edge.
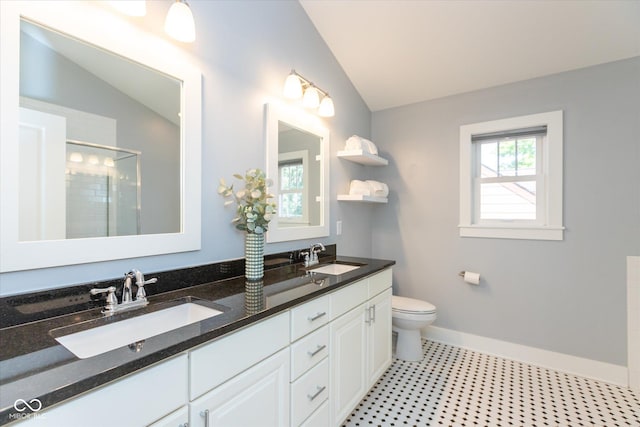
(34, 365)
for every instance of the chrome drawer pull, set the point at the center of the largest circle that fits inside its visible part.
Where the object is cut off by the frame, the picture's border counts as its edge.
(317, 393)
(317, 316)
(205, 414)
(317, 350)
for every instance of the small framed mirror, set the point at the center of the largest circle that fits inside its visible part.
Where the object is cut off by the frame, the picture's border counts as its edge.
(298, 148)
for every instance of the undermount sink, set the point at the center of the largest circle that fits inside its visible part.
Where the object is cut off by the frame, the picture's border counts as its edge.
(100, 339)
(335, 269)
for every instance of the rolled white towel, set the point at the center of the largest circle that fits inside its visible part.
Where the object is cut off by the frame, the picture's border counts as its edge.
(359, 188)
(356, 142)
(378, 189)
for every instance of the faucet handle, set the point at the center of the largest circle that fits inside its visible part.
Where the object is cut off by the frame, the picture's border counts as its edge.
(112, 301)
(142, 294)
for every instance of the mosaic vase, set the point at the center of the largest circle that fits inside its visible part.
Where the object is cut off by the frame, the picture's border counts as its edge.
(254, 296)
(254, 256)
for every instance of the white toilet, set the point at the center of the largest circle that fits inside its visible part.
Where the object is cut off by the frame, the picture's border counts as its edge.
(409, 316)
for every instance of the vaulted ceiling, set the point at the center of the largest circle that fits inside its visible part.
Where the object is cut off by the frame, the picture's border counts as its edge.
(398, 52)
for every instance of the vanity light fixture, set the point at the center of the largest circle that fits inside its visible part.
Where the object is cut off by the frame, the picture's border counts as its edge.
(179, 23)
(311, 99)
(296, 87)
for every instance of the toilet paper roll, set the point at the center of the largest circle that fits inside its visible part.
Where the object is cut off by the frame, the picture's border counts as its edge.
(472, 278)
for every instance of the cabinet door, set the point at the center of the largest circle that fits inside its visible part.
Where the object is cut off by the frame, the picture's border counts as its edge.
(379, 345)
(258, 397)
(348, 365)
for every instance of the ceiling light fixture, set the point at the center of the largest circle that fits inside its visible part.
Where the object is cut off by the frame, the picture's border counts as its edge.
(179, 23)
(296, 87)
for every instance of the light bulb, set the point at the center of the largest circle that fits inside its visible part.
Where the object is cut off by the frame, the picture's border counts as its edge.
(76, 157)
(326, 108)
(292, 87)
(179, 22)
(311, 98)
(93, 159)
(108, 162)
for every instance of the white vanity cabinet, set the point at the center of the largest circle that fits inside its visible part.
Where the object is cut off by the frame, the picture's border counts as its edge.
(243, 379)
(360, 334)
(305, 367)
(136, 400)
(309, 361)
(257, 397)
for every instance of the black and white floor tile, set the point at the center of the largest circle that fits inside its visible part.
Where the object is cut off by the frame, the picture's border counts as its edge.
(452, 386)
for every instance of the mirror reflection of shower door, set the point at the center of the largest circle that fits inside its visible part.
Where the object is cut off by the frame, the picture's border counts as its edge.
(103, 191)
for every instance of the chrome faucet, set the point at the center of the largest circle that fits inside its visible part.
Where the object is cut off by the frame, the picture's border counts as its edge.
(128, 302)
(311, 257)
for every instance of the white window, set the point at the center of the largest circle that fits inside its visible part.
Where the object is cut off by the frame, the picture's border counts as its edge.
(511, 178)
(293, 194)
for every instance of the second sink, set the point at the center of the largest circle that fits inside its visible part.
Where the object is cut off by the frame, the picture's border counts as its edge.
(335, 269)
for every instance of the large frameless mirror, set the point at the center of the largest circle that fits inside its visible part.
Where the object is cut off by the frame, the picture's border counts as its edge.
(297, 162)
(94, 160)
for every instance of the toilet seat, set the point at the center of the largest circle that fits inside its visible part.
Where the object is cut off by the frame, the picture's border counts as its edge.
(411, 306)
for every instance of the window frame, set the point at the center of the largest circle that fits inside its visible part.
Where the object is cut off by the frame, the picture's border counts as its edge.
(548, 224)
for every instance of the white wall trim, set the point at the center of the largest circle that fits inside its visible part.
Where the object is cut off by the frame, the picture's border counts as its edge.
(588, 368)
(633, 321)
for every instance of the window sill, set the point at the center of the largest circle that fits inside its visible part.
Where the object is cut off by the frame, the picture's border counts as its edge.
(512, 232)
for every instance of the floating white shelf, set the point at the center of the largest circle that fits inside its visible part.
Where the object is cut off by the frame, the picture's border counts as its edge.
(362, 157)
(361, 198)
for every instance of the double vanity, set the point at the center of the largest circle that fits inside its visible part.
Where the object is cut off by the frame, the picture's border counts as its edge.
(300, 347)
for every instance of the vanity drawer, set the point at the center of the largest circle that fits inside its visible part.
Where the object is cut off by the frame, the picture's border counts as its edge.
(309, 317)
(320, 418)
(348, 297)
(309, 392)
(310, 350)
(214, 363)
(380, 282)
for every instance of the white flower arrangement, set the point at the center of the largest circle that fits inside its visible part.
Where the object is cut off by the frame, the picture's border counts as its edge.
(254, 210)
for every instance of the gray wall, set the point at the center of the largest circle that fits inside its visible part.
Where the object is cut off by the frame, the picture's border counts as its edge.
(566, 296)
(245, 50)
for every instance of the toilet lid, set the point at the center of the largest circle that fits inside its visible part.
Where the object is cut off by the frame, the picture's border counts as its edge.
(411, 305)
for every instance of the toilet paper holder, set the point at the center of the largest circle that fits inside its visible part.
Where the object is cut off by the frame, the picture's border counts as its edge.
(470, 277)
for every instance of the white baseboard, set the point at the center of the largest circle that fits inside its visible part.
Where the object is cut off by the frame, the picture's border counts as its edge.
(594, 369)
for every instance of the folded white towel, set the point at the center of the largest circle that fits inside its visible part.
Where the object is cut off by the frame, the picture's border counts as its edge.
(356, 142)
(378, 189)
(359, 188)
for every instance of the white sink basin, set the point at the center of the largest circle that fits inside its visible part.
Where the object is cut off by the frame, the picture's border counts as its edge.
(101, 339)
(335, 269)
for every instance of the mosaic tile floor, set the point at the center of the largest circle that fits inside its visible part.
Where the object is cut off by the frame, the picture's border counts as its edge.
(452, 386)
